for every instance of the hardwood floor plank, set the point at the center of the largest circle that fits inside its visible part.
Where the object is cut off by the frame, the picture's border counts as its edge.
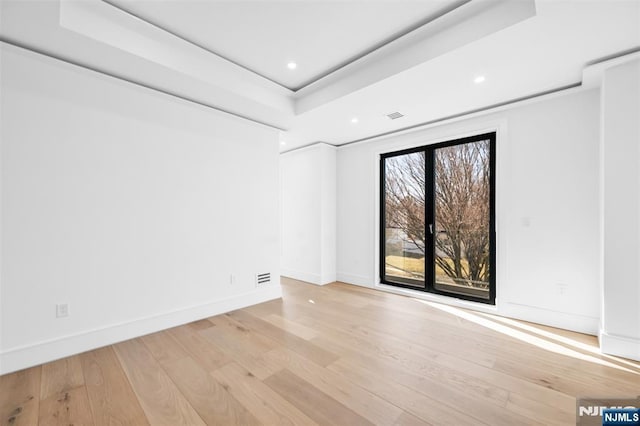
(425, 339)
(163, 347)
(323, 409)
(63, 395)
(500, 337)
(61, 375)
(292, 327)
(407, 419)
(252, 341)
(205, 353)
(361, 324)
(385, 351)
(213, 402)
(469, 401)
(553, 399)
(416, 403)
(565, 381)
(159, 397)
(20, 397)
(241, 348)
(325, 294)
(266, 404)
(301, 346)
(200, 325)
(111, 397)
(335, 354)
(70, 407)
(276, 306)
(363, 402)
(539, 412)
(504, 341)
(422, 360)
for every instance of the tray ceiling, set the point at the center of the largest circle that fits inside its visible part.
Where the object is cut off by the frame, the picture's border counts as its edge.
(265, 36)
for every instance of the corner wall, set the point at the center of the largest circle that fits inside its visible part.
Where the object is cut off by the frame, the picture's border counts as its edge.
(547, 210)
(308, 191)
(620, 322)
(131, 206)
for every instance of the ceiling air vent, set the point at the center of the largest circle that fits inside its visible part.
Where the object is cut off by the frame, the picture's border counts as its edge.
(262, 279)
(395, 115)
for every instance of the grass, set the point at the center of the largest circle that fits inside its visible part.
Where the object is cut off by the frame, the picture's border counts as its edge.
(416, 265)
(408, 264)
(409, 267)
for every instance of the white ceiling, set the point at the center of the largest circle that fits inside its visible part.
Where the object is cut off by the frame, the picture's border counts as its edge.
(543, 53)
(264, 36)
(427, 74)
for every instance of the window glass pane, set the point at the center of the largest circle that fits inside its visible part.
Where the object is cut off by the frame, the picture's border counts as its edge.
(462, 219)
(404, 182)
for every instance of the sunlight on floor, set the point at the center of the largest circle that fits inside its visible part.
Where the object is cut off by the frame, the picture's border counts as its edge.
(567, 341)
(523, 336)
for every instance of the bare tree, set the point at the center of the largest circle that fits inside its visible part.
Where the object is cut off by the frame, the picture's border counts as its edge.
(462, 210)
(405, 200)
(461, 206)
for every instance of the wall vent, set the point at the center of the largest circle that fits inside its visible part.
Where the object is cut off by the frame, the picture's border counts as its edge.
(262, 279)
(395, 115)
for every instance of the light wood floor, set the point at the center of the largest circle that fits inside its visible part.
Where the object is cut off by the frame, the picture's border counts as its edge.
(339, 355)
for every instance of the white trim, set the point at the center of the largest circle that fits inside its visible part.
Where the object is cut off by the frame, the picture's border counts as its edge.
(38, 353)
(425, 137)
(624, 346)
(591, 79)
(301, 276)
(592, 74)
(438, 298)
(359, 280)
(567, 321)
(558, 319)
(468, 116)
(307, 147)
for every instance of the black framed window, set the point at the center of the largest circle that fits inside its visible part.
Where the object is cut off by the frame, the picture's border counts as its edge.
(437, 226)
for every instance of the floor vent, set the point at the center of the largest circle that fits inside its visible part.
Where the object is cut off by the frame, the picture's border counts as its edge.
(395, 115)
(262, 279)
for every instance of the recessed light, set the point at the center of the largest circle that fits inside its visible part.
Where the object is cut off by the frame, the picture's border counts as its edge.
(479, 79)
(283, 143)
(354, 120)
(292, 65)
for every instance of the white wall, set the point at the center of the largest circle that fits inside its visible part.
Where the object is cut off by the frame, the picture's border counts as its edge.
(131, 206)
(328, 225)
(547, 209)
(308, 191)
(620, 327)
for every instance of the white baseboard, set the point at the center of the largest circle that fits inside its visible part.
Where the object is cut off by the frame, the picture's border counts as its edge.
(328, 278)
(360, 280)
(624, 346)
(564, 320)
(432, 297)
(567, 321)
(301, 276)
(38, 353)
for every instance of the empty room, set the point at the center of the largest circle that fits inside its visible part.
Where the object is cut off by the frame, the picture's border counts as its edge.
(312, 212)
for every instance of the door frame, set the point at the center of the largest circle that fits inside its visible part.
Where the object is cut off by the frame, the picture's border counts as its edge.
(429, 280)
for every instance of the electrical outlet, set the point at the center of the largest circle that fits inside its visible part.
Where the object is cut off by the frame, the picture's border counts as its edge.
(62, 310)
(562, 288)
(232, 279)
